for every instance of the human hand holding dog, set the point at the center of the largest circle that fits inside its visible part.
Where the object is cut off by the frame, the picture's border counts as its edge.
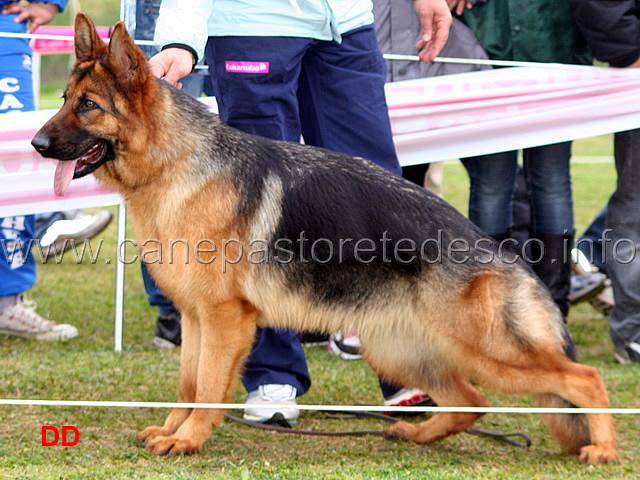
(171, 65)
(435, 22)
(36, 13)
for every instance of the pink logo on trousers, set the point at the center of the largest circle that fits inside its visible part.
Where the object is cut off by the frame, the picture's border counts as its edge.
(246, 67)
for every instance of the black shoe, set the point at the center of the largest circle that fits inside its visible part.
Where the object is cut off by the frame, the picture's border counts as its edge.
(168, 331)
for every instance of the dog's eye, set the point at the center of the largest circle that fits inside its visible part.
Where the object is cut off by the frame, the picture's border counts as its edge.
(89, 104)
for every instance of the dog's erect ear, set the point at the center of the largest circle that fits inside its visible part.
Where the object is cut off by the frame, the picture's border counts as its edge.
(125, 59)
(88, 43)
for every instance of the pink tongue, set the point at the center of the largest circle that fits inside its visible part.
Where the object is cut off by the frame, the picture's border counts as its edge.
(63, 176)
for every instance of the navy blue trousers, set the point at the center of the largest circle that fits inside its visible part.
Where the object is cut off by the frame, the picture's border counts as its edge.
(330, 93)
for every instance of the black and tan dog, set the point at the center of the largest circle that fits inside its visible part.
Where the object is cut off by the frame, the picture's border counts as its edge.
(279, 234)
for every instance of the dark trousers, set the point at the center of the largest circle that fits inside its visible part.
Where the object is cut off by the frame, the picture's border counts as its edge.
(622, 260)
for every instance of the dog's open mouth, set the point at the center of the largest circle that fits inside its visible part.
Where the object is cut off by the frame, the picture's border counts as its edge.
(67, 170)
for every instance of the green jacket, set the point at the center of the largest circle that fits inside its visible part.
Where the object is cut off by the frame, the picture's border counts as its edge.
(528, 30)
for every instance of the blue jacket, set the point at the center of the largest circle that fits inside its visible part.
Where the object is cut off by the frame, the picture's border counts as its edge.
(12, 46)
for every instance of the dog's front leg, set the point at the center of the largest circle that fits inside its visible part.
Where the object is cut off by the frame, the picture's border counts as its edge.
(226, 334)
(189, 355)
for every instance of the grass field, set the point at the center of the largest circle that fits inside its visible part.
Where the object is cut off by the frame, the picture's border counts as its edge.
(86, 368)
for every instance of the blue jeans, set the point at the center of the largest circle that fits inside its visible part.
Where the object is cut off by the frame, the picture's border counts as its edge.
(492, 183)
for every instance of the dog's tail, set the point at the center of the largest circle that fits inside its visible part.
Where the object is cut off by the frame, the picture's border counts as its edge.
(571, 430)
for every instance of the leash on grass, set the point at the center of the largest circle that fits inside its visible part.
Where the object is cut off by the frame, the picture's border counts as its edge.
(500, 436)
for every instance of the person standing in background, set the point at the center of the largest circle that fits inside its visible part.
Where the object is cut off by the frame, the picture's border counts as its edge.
(612, 30)
(18, 317)
(535, 31)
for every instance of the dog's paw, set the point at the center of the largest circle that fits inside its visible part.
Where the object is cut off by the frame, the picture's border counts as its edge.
(598, 454)
(172, 445)
(400, 431)
(150, 433)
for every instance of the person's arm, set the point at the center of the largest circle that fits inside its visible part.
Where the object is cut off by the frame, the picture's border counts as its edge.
(435, 22)
(611, 28)
(37, 13)
(181, 35)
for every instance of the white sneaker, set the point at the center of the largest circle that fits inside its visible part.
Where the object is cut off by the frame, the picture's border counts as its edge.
(63, 234)
(604, 301)
(272, 394)
(585, 287)
(408, 397)
(21, 320)
(629, 354)
(347, 348)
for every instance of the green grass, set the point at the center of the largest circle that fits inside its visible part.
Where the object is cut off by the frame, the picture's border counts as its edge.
(86, 368)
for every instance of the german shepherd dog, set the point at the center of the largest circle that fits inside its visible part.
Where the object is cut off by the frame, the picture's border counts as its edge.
(345, 246)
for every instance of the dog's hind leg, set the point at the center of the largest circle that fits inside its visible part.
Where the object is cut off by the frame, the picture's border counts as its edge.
(454, 391)
(188, 373)
(572, 384)
(226, 335)
(554, 380)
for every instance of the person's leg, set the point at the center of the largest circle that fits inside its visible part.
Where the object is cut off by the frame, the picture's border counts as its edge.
(168, 331)
(521, 212)
(343, 108)
(18, 316)
(342, 100)
(277, 358)
(491, 186)
(17, 265)
(548, 179)
(622, 259)
(255, 80)
(263, 103)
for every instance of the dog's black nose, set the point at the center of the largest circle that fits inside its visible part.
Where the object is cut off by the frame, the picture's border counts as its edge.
(41, 142)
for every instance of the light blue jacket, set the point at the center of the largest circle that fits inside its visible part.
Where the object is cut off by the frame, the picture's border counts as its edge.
(190, 22)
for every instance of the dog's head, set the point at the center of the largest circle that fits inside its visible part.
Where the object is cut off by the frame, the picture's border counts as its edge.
(105, 98)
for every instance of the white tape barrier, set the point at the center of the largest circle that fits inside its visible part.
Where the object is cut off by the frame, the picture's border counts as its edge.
(331, 408)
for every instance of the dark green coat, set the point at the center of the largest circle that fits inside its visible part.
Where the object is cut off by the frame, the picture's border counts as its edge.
(528, 30)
